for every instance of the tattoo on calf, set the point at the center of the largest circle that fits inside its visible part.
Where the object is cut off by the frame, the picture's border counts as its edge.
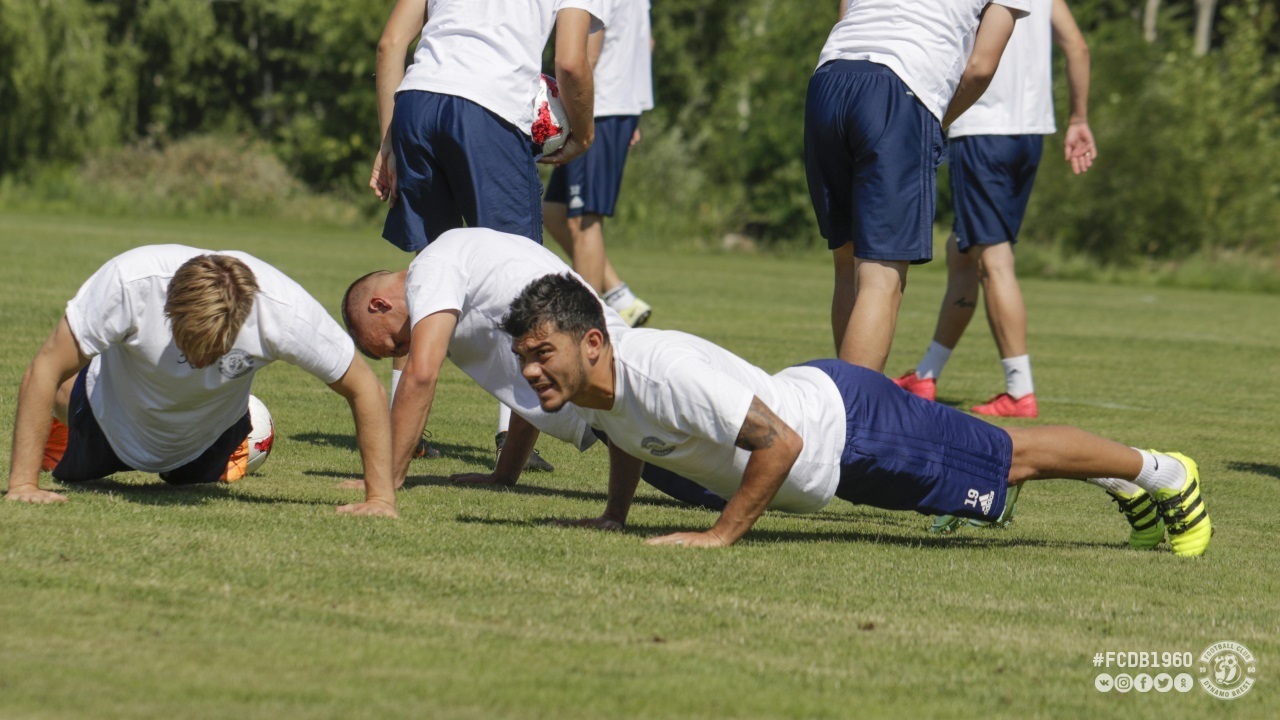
(761, 428)
(966, 303)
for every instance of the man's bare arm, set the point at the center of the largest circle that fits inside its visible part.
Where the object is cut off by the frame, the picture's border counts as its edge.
(57, 361)
(362, 391)
(993, 34)
(411, 406)
(774, 447)
(624, 477)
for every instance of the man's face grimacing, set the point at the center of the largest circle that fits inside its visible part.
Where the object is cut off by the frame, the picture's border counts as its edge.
(553, 364)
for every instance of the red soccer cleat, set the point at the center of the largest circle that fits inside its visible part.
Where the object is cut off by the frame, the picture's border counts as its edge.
(1003, 405)
(914, 384)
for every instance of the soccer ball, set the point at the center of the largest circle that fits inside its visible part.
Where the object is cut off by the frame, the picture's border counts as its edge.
(262, 434)
(550, 121)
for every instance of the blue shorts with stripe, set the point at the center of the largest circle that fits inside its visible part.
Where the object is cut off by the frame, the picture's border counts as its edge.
(590, 182)
(991, 179)
(89, 454)
(905, 453)
(872, 151)
(458, 164)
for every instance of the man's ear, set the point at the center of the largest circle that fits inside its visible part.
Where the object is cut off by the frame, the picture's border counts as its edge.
(379, 305)
(593, 341)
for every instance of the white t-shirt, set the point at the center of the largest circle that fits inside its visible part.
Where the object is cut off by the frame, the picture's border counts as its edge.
(680, 402)
(926, 44)
(624, 72)
(157, 411)
(488, 51)
(1019, 100)
(479, 272)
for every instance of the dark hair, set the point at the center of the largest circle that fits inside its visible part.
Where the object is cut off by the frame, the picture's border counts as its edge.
(353, 296)
(556, 302)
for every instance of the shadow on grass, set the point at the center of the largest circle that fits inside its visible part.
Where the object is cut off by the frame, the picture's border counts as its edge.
(1272, 471)
(524, 488)
(161, 494)
(469, 454)
(976, 541)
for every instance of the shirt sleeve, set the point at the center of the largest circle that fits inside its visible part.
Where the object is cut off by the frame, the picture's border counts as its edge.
(1020, 8)
(595, 7)
(100, 313)
(706, 402)
(313, 340)
(435, 284)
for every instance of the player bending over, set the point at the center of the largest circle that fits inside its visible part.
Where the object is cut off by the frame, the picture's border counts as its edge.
(827, 428)
(449, 304)
(162, 343)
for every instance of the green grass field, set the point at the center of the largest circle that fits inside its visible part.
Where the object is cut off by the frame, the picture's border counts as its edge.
(136, 600)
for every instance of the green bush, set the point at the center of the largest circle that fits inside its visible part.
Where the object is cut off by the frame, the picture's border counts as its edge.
(1189, 154)
(200, 176)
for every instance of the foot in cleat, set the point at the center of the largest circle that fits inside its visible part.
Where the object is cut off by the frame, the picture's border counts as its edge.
(425, 449)
(1146, 529)
(1186, 521)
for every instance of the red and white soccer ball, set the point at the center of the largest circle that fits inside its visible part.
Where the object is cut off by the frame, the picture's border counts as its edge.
(262, 434)
(550, 121)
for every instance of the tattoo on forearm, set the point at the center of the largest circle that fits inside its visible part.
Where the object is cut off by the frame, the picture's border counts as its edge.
(966, 303)
(761, 429)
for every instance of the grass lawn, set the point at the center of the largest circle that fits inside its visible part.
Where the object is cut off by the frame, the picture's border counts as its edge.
(137, 600)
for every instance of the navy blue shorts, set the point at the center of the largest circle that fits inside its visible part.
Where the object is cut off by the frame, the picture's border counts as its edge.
(590, 182)
(905, 453)
(89, 455)
(871, 153)
(458, 164)
(991, 179)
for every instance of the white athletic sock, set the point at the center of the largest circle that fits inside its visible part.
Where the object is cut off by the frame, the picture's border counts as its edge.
(395, 381)
(504, 418)
(1017, 376)
(1160, 472)
(935, 358)
(1115, 485)
(620, 298)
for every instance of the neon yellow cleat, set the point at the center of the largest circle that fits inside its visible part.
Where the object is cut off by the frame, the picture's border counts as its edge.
(637, 314)
(1146, 527)
(1185, 518)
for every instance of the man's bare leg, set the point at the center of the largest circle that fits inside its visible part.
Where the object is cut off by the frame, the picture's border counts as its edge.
(1006, 312)
(872, 316)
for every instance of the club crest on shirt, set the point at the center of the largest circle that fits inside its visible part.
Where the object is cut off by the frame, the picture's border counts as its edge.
(234, 364)
(656, 447)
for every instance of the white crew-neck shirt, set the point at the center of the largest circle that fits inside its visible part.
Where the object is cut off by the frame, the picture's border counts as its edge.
(680, 402)
(1019, 100)
(488, 51)
(157, 411)
(478, 272)
(927, 44)
(624, 72)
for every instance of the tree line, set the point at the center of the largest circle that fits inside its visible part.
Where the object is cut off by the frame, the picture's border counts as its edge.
(1185, 102)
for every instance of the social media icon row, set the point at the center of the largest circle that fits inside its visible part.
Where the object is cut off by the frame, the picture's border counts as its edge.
(1142, 682)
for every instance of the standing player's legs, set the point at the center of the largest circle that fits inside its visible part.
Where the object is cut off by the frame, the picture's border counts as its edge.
(871, 152)
(579, 196)
(991, 180)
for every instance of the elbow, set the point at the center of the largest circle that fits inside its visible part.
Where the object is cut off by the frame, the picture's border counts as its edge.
(572, 68)
(389, 46)
(981, 71)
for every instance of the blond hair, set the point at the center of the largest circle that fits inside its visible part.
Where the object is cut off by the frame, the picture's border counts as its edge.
(209, 298)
